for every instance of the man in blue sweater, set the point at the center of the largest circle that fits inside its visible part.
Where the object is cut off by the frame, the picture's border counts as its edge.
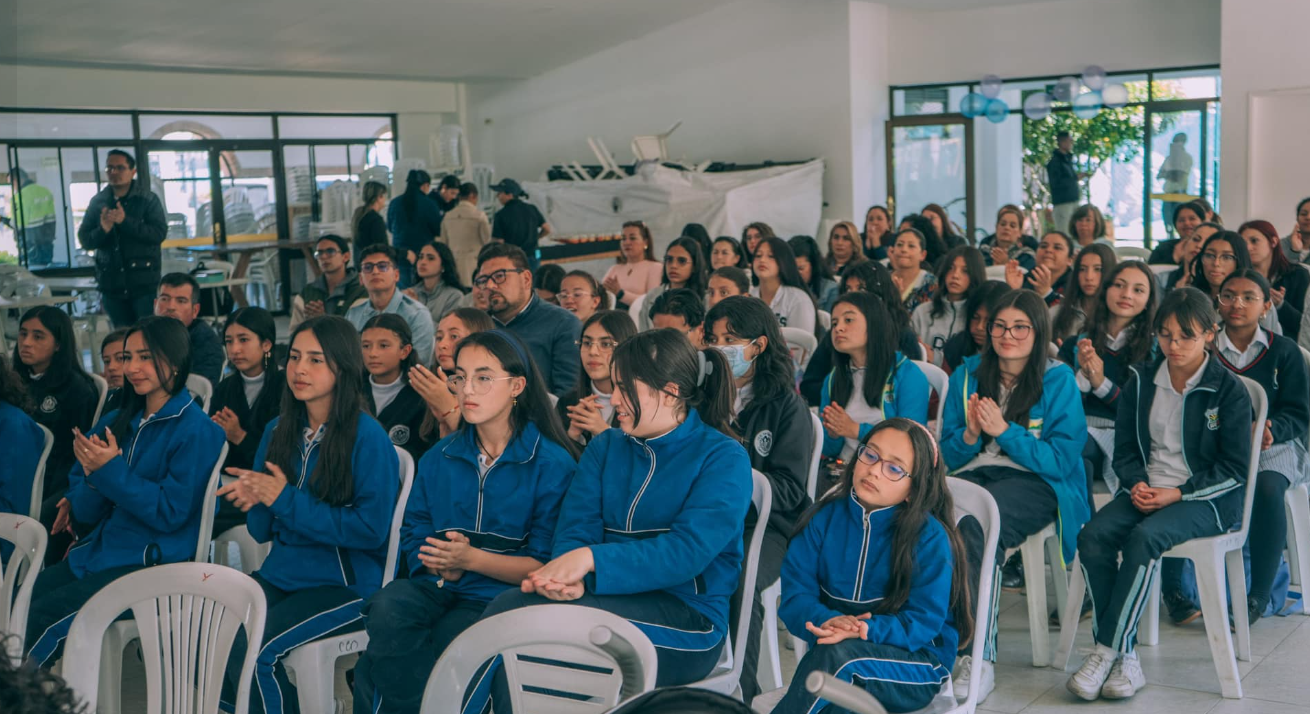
(550, 332)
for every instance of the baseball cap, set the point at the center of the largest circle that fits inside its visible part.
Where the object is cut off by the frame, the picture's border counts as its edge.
(508, 185)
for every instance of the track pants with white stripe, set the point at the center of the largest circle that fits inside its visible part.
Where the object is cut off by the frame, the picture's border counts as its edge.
(294, 618)
(901, 681)
(56, 598)
(1119, 589)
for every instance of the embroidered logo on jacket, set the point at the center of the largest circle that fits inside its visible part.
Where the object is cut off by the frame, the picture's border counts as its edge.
(399, 434)
(1212, 418)
(764, 442)
(49, 405)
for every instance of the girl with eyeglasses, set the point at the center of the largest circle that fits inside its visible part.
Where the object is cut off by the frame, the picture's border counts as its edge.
(779, 285)
(1014, 424)
(935, 322)
(751, 236)
(776, 428)
(580, 294)
(480, 518)
(389, 359)
(1276, 363)
(1289, 283)
(870, 380)
(875, 578)
(588, 410)
(322, 494)
(637, 272)
(1223, 254)
(1182, 445)
(684, 267)
(1188, 249)
(652, 527)
(1069, 316)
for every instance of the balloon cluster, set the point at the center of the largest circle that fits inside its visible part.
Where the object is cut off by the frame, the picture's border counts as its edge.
(1086, 104)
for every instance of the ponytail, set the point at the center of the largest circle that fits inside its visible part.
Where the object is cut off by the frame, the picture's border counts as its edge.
(703, 379)
(717, 392)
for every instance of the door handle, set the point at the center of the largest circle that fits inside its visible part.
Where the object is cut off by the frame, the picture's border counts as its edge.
(218, 232)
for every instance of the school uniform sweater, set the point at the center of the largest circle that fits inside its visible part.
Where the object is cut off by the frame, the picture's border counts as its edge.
(254, 418)
(402, 418)
(1291, 313)
(841, 564)
(511, 510)
(1103, 403)
(1056, 293)
(318, 544)
(144, 505)
(905, 394)
(936, 330)
(63, 401)
(1049, 445)
(820, 366)
(666, 513)
(779, 437)
(1281, 370)
(24, 441)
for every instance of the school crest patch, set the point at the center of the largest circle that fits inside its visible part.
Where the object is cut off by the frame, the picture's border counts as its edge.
(764, 442)
(49, 405)
(399, 434)
(1212, 419)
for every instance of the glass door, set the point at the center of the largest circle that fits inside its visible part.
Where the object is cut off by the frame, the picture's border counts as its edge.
(250, 196)
(183, 178)
(1177, 161)
(931, 161)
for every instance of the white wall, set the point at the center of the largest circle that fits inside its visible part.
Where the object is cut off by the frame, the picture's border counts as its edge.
(1033, 39)
(1262, 54)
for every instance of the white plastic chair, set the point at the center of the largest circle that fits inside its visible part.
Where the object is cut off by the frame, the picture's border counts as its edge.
(1162, 268)
(800, 344)
(201, 389)
(1209, 555)
(940, 382)
(314, 663)
(996, 272)
(1132, 252)
(118, 635)
(1297, 503)
(1034, 568)
(188, 615)
(636, 308)
(825, 320)
(19, 575)
(103, 388)
(250, 552)
(38, 479)
(970, 500)
(613, 661)
(770, 655)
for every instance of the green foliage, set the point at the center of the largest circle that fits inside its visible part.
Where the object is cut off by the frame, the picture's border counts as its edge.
(7, 258)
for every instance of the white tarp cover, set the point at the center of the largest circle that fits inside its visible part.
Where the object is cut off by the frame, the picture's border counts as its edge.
(788, 198)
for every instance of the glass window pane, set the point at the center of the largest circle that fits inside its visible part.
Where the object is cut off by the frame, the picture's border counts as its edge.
(300, 190)
(181, 180)
(1187, 84)
(1175, 166)
(998, 170)
(29, 125)
(249, 195)
(332, 127)
(40, 215)
(929, 168)
(8, 244)
(928, 100)
(201, 126)
(329, 165)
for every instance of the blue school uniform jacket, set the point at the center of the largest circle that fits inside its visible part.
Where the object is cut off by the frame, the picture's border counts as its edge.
(840, 564)
(511, 511)
(905, 395)
(1050, 445)
(317, 544)
(18, 467)
(145, 503)
(665, 513)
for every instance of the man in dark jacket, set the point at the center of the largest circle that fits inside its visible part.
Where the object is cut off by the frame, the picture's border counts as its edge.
(446, 195)
(179, 298)
(517, 222)
(1063, 179)
(125, 224)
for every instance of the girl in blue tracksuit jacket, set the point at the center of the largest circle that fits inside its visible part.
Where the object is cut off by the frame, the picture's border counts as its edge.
(1182, 449)
(874, 579)
(651, 528)
(481, 517)
(25, 440)
(135, 492)
(325, 499)
(1014, 424)
(870, 380)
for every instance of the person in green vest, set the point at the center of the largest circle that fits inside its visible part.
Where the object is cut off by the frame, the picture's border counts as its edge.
(34, 219)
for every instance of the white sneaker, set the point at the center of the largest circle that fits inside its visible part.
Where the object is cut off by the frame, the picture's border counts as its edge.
(1125, 678)
(1086, 683)
(964, 671)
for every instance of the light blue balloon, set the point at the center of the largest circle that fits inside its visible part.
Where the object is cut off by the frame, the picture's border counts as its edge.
(973, 104)
(997, 111)
(1087, 106)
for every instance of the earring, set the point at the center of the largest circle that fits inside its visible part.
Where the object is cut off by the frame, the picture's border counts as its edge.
(516, 401)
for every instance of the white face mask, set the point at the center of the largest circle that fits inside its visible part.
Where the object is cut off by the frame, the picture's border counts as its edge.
(737, 360)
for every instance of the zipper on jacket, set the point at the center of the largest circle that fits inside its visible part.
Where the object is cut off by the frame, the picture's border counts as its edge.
(135, 437)
(864, 554)
(632, 510)
(1146, 458)
(482, 482)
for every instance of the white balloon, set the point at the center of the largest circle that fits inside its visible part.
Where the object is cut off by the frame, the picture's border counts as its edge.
(1037, 106)
(1094, 77)
(1114, 95)
(991, 86)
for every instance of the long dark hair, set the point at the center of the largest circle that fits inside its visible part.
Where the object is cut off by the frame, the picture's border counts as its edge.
(661, 357)
(619, 325)
(947, 231)
(984, 299)
(929, 497)
(1192, 309)
(702, 236)
(1141, 340)
(974, 267)
(879, 352)
(1279, 265)
(877, 281)
(1240, 253)
(736, 248)
(1196, 207)
(449, 270)
(929, 240)
(533, 403)
(12, 390)
(788, 273)
(413, 191)
(170, 350)
(372, 190)
(333, 476)
(750, 319)
(696, 281)
(1071, 305)
(1028, 386)
(806, 247)
(645, 234)
(66, 361)
(397, 325)
(260, 321)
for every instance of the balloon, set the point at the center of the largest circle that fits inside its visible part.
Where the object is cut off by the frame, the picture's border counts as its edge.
(1037, 106)
(1114, 95)
(1094, 77)
(991, 86)
(1066, 89)
(973, 104)
(1087, 106)
(997, 111)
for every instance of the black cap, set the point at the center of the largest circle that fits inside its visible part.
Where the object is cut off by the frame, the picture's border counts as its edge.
(510, 186)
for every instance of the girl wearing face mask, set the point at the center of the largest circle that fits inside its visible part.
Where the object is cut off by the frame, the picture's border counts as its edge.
(1049, 277)
(481, 516)
(389, 359)
(1288, 283)
(780, 285)
(1091, 266)
(442, 416)
(684, 267)
(588, 410)
(887, 535)
(870, 380)
(775, 426)
(877, 225)
(1014, 424)
(938, 320)
(1118, 335)
(652, 526)
(1009, 242)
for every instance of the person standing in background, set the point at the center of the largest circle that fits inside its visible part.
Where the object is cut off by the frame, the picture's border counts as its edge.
(517, 222)
(413, 223)
(125, 225)
(367, 225)
(446, 197)
(1177, 174)
(34, 219)
(1063, 180)
(465, 229)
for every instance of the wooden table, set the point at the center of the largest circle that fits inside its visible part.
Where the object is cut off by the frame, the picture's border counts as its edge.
(246, 251)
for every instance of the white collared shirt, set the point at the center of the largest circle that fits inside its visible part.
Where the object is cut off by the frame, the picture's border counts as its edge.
(1115, 343)
(1241, 358)
(860, 411)
(1167, 467)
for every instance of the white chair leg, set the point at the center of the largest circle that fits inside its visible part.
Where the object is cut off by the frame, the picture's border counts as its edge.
(1070, 616)
(770, 666)
(1059, 576)
(110, 695)
(1214, 608)
(1298, 539)
(1035, 584)
(315, 672)
(1149, 628)
(1237, 587)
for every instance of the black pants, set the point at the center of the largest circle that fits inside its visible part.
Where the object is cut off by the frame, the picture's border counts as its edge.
(1268, 534)
(901, 681)
(125, 311)
(56, 598)
(409, 623)
(772, 550)
(293, 619)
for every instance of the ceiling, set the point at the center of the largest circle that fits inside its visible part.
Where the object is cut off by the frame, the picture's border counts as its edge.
(464, 40)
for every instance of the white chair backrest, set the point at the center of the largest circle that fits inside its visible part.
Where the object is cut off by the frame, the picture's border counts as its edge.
(103, 388)
(38, 478)
(201, 389)
(762, 500)
(974, 500)
(398, 515)
(939, 381)
(801, 344)
(618, 658)
(1305, 355)
(19, 575)
(1260, 409)
(635, 310)
(812, 478)
(1162, 268)
(996, 272)
(209, 507)
(187, 615)
(1132, 252)
(825, 320)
